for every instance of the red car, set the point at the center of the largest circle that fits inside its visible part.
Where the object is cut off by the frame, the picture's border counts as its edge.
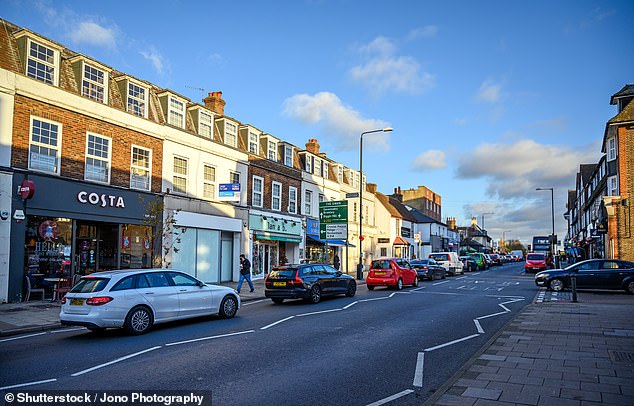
(391, 272)
(535, 263)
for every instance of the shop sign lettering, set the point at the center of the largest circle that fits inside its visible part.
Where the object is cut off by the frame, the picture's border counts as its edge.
(102, 200)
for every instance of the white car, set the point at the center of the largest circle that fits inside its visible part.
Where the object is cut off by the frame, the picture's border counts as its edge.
(136, 299)
(449, 260)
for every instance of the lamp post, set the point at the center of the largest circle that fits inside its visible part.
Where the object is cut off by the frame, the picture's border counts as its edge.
(360, 265)
(504, 239)
(552, 214)
(484, 230)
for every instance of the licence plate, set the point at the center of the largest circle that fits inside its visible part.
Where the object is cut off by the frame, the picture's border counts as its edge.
(76, 302)
(279, 283)
(379, 273)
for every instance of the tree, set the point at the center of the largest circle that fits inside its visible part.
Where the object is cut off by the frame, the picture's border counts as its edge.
(164, 231)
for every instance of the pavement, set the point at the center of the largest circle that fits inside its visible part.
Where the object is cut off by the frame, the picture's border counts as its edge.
(554, 352)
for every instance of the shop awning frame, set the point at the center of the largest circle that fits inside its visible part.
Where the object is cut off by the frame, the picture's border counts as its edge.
(264, 235)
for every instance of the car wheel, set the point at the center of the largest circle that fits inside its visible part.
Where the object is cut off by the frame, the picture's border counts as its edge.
(314, 296)
(139, 320)
(228, 307)
(399, 284)
(277, 300)
(370, 287)
(556, 285)
(415, 284)
(352, 289)
(629, 288)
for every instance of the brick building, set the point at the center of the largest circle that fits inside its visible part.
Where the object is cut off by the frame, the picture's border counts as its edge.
(422, 199)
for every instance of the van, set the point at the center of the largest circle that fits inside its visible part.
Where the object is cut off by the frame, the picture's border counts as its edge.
(449, 260)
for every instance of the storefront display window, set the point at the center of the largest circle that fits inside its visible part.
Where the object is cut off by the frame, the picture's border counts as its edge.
(136, 246)
(47, 249)
(197, 252)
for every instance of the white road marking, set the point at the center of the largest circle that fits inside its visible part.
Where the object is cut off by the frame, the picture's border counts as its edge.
(490, 315)
(391, 398)
(462, 277)
(451, 342)
(461, 287)
(417, 289)
(253, 302)
(418, 375)
(277, 322)
(375, 298)
(68, 329)
(346, 307)
(440, 283)
(319, 312)
(21, 337)
(85, 371)
(19, 385)
(478, 326)
(392, 295)
(210, 338)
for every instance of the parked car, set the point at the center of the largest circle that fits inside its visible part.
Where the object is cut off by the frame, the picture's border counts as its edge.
(428, 269)
(590, 274)
(391, 272)
(496, 259)
(488, 260)
(307, 281)
(468, 263)
(136, 299)
(535, 263)
(480, 260)
(449, 260)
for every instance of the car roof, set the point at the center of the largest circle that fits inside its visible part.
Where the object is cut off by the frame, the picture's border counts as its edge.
(125, 272)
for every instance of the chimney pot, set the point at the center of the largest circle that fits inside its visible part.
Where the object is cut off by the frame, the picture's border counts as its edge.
(215, 103)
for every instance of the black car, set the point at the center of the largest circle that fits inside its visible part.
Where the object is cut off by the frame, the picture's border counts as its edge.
(468, 263)
(590, 274)
(428, 269)
(307, 281)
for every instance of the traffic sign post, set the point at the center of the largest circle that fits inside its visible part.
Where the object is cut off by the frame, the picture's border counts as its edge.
(333, 220)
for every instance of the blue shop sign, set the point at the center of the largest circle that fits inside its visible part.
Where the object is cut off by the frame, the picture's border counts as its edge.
(312, 227)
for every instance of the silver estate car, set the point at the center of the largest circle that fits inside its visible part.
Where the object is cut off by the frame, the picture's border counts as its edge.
(136, 299)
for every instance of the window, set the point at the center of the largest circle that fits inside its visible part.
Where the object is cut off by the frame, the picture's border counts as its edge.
(613, 186)
(234, 177)
(205, 124)
(209, 182)
(231, 133)
(611, 149)
(258, 188)
(137, 100)
(276, 196)
(292, 199)
(340, 174)
(45, 146)
(41, 63)
(272, 151)
(93, 83)
(140, 168)
(318, 167)
(97, 158)
(176, 114)
(384, 252)
(308, 202)
(322, 198)
(356, 180)
(254, 143)
(326, 169)
(179, 179)
(288, 156)
(354, 211)
(309, 161)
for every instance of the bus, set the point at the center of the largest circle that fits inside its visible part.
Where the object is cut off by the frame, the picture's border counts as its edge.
(541, 244)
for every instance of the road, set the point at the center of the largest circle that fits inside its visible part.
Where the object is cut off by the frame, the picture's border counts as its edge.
(380, 346)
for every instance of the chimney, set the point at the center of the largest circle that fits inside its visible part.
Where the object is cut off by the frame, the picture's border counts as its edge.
(474, 221)
(451, 223)
(215, 103)
(312, 146)
(370, 187)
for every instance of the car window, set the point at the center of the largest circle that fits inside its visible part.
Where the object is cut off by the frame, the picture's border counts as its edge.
(157, 279)
(383, 264)
(402, 263)
(86, 285)
(319, 270)
(286, 272)
(439, 257)
(180, 279)
(125, 283)
(142, 282)
(588, 266)
(330, 269)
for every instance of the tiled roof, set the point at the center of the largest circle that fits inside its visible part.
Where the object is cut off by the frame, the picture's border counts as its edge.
(627, 114)
(628, 90)
(586, 172)
(385, 201)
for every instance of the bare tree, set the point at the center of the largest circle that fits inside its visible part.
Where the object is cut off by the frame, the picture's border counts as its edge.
(164, 232)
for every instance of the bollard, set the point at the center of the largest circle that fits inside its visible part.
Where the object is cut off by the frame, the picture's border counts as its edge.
(360, 272)
(573, 282)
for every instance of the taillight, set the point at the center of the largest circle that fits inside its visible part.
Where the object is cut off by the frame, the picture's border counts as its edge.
(98, 301)
(297, 281)
(64, 300)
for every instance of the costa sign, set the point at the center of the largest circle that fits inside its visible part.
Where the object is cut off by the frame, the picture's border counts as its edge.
(26, 190)
(102, 200)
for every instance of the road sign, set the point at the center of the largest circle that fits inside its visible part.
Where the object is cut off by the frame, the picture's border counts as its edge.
(352, 195)
(334, 232)
(333, 220)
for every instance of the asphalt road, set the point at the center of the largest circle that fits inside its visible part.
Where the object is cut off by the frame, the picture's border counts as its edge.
(374, 347)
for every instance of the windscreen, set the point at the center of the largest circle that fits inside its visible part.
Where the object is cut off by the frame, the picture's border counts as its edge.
(87, 285)
(439, 257)
(535, 257)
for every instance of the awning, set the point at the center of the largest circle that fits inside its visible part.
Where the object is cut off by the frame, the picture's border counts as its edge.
(337, 243)
(400, 241)
(264, 235)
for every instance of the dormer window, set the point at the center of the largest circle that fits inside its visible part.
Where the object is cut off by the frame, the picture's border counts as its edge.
(318, 167)
(205, 124)
(309, 167)
(272, 150)
(254, 143)
(326, 169)
(340, 174)
(176, 113)
(611, 149)
(42, 62)
(137, 99)
(93, 84)
(231, 133)
(288, 156)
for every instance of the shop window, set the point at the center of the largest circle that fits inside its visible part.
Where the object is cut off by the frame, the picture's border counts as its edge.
(98, 151)
(140, 170)
(179, 181)
(136, 246)
(197, 252)
(45, 145)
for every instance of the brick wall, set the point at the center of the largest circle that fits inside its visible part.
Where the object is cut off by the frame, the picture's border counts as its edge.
(73, 152)
(272, 171)
(626, 184)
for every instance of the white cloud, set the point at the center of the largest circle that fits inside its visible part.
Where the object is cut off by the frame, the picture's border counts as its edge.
(92, 33)
(155, 58)
(341, 122)
(384, 71)
(427, 31)
(489, 92)
(430, 160)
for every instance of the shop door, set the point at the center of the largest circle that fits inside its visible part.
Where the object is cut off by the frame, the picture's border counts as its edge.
(226, 259)
(96, 247)
(264, 257)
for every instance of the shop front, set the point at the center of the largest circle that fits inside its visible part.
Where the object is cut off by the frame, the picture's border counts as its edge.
(322, 251)
(67, 228)
(275, 241)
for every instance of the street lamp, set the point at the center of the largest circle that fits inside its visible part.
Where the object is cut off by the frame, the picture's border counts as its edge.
(483, 214)
(552, 214)
(360, 265)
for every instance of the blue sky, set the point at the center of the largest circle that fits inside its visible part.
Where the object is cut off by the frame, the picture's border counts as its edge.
(488, 99)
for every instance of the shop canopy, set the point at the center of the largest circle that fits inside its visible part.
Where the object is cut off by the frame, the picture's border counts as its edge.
(338, 243)
(264, 235)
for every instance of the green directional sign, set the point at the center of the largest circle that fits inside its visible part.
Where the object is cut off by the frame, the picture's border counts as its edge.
(333, 220)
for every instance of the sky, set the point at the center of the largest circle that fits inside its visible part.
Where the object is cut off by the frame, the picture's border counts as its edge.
(488, 100)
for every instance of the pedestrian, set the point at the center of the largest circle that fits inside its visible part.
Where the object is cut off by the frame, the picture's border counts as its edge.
(335, 262)
(245, 273)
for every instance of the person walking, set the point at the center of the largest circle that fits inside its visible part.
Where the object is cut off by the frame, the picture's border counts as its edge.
(336, 263)
(245, 273)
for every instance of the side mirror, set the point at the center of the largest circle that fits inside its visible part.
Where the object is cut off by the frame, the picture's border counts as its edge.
(201, 284)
